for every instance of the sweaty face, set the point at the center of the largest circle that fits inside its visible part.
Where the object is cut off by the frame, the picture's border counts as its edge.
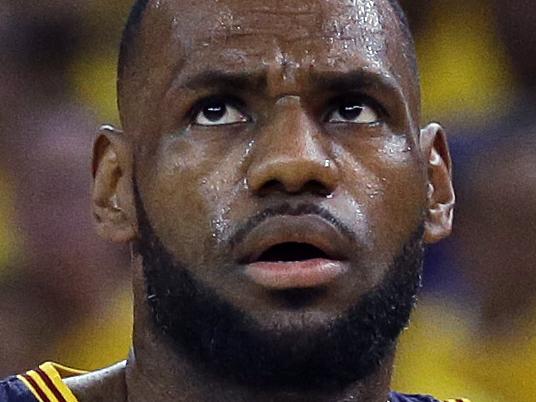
(277, 171)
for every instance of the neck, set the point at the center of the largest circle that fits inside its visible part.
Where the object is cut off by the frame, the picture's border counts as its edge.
(156, 372)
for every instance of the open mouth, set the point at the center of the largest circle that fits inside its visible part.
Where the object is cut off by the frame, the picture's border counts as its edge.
(292, 252)
(294, 265)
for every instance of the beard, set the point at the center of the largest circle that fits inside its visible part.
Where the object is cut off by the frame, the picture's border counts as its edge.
(218, 337)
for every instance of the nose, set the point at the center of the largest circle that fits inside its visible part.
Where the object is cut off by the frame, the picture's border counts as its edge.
(290, 155)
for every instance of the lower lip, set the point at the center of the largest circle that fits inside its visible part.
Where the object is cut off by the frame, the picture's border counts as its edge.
(297, 274)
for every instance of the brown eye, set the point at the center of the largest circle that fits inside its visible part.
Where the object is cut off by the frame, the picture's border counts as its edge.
(350, 112)
(355, 112)
(219, 113)
(214, 112)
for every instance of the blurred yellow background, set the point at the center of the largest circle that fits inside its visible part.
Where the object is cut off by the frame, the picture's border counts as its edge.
(65, 294)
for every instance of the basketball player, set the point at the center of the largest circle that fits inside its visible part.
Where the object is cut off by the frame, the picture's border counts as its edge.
(276, 188)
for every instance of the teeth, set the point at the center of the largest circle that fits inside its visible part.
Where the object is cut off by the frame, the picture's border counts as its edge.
(286, 252)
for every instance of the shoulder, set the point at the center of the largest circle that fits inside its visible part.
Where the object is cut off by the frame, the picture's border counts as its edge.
(396, 397)
(54, 383)
(44, 384)
(14, 389)
(103, 385)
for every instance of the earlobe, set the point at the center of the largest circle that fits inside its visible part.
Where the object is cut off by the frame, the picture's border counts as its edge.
(112, 200)
(441, 197)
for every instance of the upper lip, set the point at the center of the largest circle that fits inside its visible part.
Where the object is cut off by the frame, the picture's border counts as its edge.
(306, 229)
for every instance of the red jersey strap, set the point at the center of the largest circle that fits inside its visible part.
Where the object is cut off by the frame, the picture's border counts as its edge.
(46, 383)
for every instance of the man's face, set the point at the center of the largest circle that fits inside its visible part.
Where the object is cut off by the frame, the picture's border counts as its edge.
(276, 156)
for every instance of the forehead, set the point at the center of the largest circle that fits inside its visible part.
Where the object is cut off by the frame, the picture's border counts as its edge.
(253, 26)
(182, 38)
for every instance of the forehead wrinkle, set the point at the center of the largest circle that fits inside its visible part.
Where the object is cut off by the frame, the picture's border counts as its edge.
(343, 19)
(195, 73)
(268, 19)
(356, 77)
(363, 24)
(273, 27)
(361, 21)
(243, 80)
(349, 20)
(282, 74)
(225, 20)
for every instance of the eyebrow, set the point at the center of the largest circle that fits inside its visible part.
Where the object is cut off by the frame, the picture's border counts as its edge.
(328, 81)
(356, 79)
(222, 79)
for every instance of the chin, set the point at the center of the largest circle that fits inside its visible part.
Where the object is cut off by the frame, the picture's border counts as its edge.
(307, 319)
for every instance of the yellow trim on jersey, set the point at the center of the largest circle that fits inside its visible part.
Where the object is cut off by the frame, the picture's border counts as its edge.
(63, 371)
(29, 386)
(42, 385)
(54, 372)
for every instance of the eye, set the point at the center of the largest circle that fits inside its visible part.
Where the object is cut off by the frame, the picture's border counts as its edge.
(218, 113)
(355, 112)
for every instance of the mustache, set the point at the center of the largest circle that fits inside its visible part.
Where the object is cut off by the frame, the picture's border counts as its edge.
(283, 209)
(287, 209)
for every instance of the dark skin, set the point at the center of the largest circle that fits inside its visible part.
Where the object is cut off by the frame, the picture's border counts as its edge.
(284, 140)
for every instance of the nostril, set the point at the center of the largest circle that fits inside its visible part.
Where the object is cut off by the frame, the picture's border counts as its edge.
(312, 187)
(315, 187)
(272, 186)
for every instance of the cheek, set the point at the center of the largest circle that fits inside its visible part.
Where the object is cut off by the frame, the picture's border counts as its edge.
(188, 194)
(386, 178)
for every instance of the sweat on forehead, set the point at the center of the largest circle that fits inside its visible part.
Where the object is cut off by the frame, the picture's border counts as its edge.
(377, 29)
(136, 15)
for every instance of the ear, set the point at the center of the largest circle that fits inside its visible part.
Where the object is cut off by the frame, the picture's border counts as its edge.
(441, 197)
(113, 201)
